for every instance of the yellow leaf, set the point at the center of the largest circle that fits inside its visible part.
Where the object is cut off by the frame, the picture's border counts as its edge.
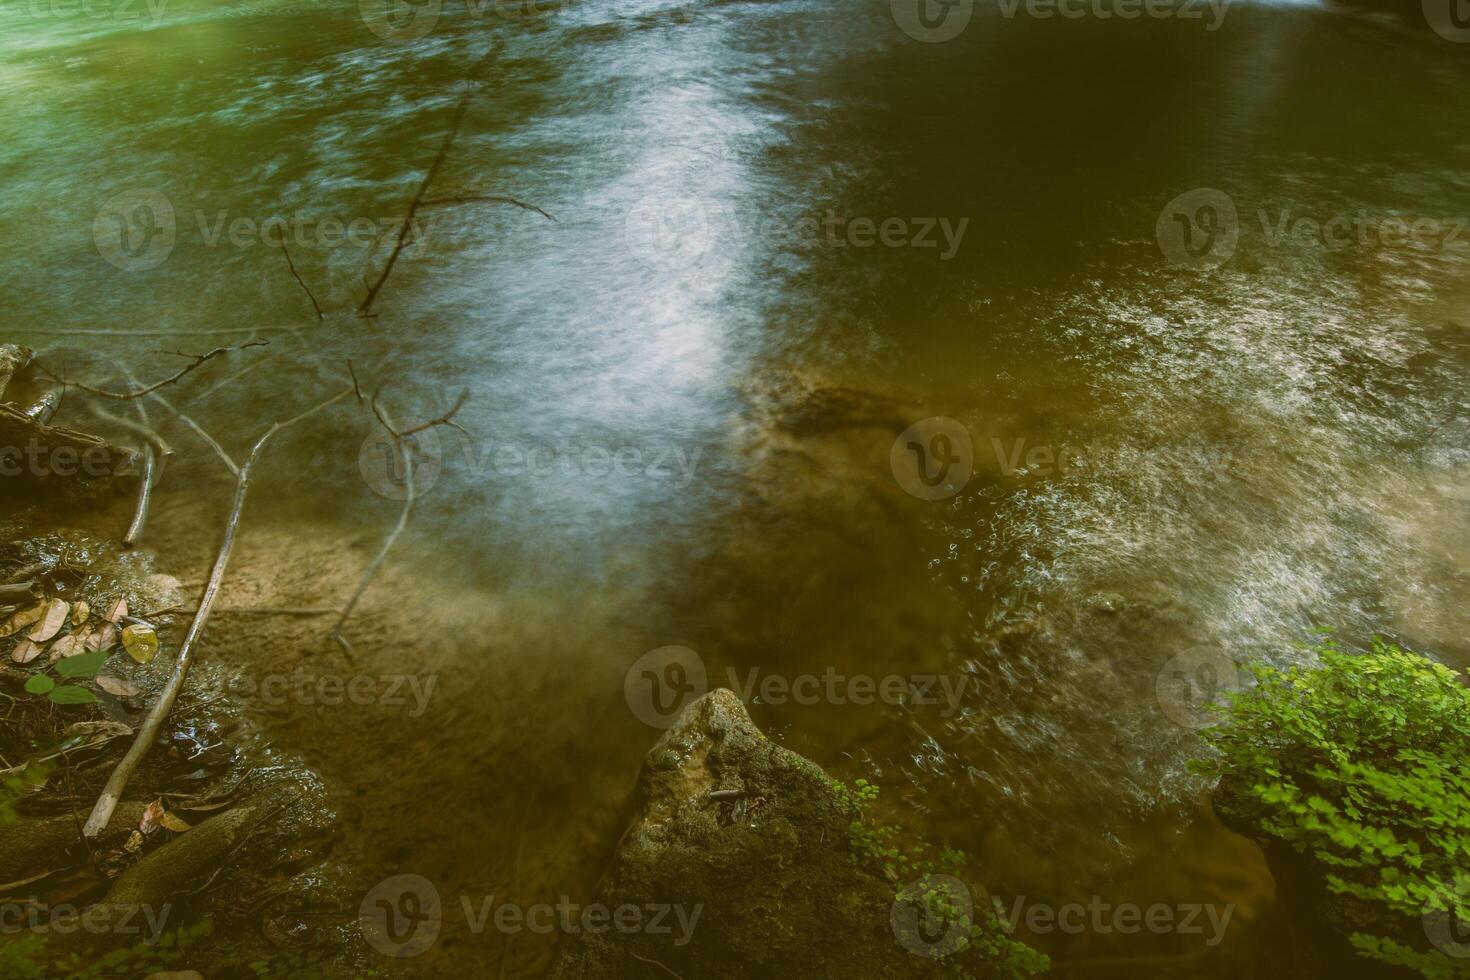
(171, 822)
(140, 642)
(51, 620)
(22, 619)
(79, 613)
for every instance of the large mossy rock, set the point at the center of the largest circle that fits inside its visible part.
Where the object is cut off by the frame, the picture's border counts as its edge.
(756, 839)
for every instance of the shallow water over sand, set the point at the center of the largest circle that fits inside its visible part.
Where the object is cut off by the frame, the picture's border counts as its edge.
(780, 234)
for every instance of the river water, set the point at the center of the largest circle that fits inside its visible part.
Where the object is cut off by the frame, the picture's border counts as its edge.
(1189, 293)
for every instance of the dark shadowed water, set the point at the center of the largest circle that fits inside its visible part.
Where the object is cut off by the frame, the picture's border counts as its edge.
(1191, 294)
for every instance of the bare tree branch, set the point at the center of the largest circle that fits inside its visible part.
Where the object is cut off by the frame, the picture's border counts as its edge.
(198, 360)
(485, 199)
(405, 459)
(153, 723)
(292, 266)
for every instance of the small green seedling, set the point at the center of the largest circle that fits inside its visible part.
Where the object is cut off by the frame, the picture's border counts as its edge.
(78, 668)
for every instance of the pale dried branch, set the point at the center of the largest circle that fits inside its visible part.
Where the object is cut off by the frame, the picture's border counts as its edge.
(153, 723)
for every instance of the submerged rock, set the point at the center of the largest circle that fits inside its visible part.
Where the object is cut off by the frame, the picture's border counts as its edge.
(747, 846)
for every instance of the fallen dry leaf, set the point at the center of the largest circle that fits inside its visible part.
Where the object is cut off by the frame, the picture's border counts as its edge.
(152, 817)
(115, 686)
(87, 728)
(26, 651)
(51, 621)
(79, 613)
(140, 642)
(135, 841)
(116, 611)
(69, 645)
(171, 822)
(104, 638)
(22, 619)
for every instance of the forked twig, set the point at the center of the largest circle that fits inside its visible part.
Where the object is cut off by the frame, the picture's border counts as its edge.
(485, 199)
(302, 282)
(196, 361)
(149, 729)
(420, 199)
(405, 459)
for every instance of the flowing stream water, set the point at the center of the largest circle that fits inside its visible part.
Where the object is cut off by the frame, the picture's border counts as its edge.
(1191, 293)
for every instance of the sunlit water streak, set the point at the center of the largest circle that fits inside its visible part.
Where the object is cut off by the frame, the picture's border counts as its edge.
(1273, 445)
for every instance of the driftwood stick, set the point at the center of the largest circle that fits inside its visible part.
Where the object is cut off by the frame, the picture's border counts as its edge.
(199, 431)
(145, 484)
(28, 571)
(301, 282)
(405, 459)
(153, 723)
(45, 406)
(413, 206)
(196, 361)
(160, 445)
(484, 199)
(145, 492)
(406, 228)
(19, 592)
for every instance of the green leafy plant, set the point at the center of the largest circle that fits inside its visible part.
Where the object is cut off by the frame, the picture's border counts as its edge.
(1361, 765)
(25, 958)
(985, 947)
(81, 667)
